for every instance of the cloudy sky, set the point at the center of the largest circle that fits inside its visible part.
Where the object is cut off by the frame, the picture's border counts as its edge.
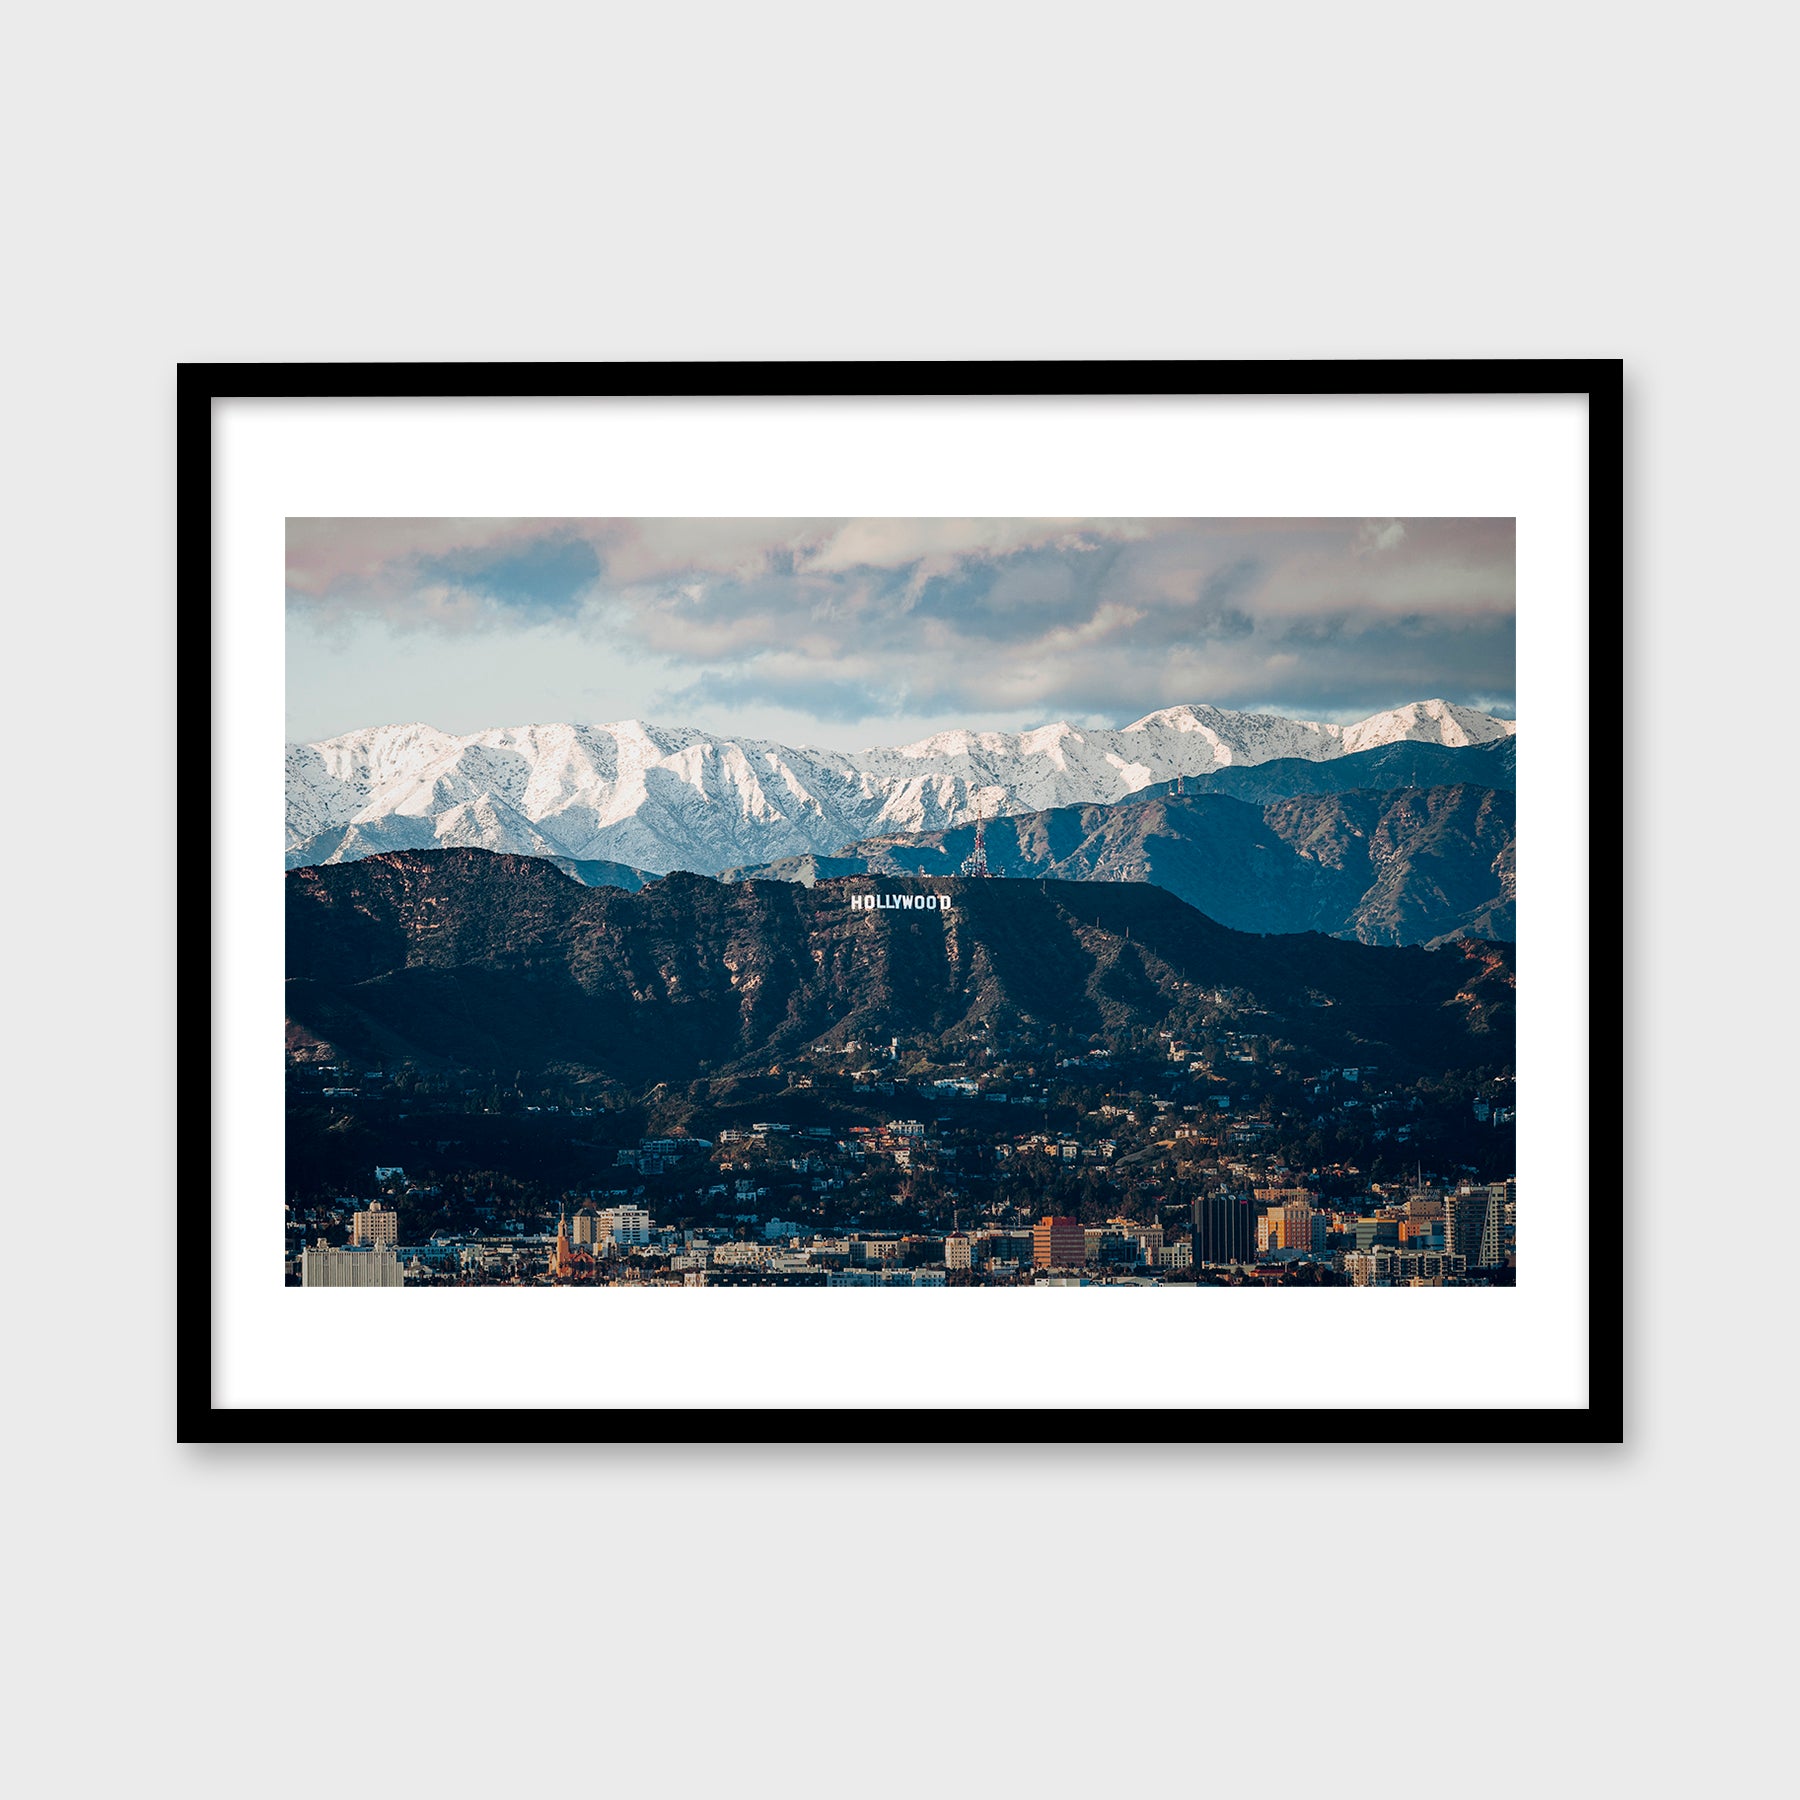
(851, 632)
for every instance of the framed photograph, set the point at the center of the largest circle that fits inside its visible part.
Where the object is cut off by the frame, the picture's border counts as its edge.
(1102, 848)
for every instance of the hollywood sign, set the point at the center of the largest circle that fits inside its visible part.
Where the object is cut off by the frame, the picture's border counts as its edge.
(902, 902)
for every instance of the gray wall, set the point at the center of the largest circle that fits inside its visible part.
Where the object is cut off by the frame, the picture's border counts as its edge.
(348, 182)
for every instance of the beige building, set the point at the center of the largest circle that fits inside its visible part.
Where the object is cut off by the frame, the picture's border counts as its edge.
(1382, 1267)
(740, 1256)
(376, 1224)
(1149, 1237)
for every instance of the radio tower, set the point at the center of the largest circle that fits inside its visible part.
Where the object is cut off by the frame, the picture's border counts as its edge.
(976, 865)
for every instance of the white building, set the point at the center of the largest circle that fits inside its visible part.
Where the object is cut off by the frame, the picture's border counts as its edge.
(727, 1256)
(1384, 1267)
(626, 1226)
(362, 1266)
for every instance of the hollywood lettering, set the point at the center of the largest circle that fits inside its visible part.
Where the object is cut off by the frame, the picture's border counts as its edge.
(903, 902)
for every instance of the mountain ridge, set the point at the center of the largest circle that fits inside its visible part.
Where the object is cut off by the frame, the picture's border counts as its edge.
(1390, 766)
(656, 798)
(1410, 865)
(475, 959)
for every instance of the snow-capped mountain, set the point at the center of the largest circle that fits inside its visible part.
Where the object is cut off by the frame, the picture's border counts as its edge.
(668, 797)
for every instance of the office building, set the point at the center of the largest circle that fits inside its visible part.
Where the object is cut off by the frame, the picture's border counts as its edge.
(625, 1226)
(1292, 1226)
(1371, 1233)
(1224, 1228)
(376, 1224)
(1058, 1243)
(364, 1265)
(1475, 1219)
(1401, 1268)
(1109, 1245)
(998, 1250)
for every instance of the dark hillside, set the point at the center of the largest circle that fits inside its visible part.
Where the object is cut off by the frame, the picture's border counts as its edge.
(463, 958)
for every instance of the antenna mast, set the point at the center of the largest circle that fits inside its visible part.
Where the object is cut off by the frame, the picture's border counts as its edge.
(976, 865)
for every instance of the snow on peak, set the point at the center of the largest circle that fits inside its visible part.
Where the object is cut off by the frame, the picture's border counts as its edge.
(1427, 721)
(662, 797)
(1171, 718)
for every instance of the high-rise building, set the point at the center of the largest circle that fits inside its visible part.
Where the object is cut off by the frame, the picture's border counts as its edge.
(1292, 1226)
(365, 1265)
(1368, 1233)
(1108, 1244)
(1058, 1243)
(1224, 1228)
(376, 1224)
(625, 1225)
(1475, 1225)
(993, 1248)
(1493, 1229)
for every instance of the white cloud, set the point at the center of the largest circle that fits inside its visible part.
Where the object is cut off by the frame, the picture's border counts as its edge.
(866, 619)
(943, 543)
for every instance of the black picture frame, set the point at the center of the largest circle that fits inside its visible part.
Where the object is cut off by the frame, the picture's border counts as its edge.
(200, 385)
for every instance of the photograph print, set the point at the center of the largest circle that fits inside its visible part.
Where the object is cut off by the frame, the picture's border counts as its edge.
(900, 902)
